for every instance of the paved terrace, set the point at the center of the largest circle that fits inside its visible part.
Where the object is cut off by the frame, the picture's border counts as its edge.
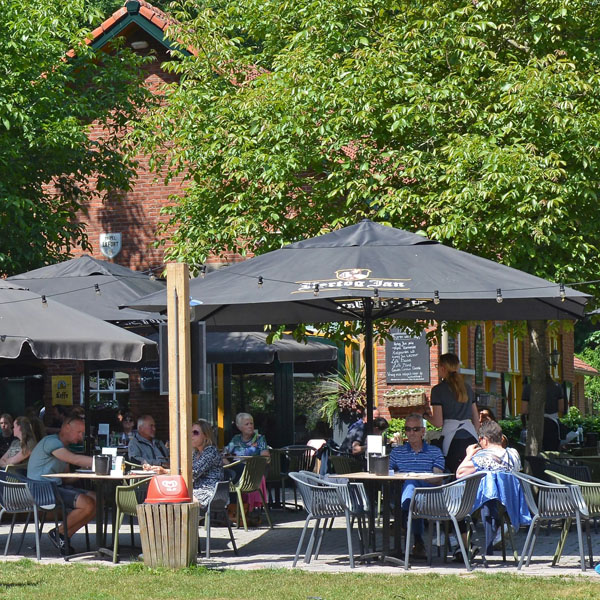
(274, 548)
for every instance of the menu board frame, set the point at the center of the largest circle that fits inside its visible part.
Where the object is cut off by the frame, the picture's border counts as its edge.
(407, 359)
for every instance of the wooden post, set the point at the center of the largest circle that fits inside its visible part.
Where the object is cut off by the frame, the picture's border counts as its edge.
(180, 381)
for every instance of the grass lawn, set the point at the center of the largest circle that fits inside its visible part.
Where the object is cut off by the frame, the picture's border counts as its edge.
(28, 580)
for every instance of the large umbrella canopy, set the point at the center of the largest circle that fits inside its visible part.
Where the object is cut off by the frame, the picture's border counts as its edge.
(365, 272)
(404, 275)
(97, 287)
(34, 324)
(252, 347)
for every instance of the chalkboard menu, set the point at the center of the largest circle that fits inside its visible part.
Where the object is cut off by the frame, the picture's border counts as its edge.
(406, 358)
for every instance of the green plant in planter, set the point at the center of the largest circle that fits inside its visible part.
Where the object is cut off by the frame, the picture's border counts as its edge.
(343, 394)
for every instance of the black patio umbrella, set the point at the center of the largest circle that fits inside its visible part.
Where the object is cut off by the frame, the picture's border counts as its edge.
(97, 287)
(238, 347)
(31, 324)
(365, 272)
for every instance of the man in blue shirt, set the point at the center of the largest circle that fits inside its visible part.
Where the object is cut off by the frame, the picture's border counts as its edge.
(415, 456)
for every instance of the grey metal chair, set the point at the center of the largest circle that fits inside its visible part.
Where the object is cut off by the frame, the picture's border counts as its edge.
(322, 500)
(554, 502)
(452, 502)
(15, 498)
(591, 496)
(217, 507)
(297, 458)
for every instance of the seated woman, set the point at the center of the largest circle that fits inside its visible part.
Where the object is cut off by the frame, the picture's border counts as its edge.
(248, 442)
(20, 449)
(489, 455)
(207, 463)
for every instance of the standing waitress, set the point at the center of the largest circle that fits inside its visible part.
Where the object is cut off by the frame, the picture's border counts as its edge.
(454, 410)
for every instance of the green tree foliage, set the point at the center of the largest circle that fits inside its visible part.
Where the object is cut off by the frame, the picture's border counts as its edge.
(591, 355)
(47, 104)
(475, 121)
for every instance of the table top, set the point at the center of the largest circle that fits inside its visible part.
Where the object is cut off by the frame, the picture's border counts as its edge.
(92, 475)
(395, 477)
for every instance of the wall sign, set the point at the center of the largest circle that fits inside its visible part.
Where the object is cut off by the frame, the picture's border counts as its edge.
(406, 358)
(110, 244)
(62, 389)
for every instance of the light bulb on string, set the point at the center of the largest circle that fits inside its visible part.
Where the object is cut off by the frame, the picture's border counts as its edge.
(436, 297)
(203, 271)
(499, 297)
(260, 281)
(152, 276)
(316, 289)
(97, 289)
(562, 292)
(44, 302)
(2, 338)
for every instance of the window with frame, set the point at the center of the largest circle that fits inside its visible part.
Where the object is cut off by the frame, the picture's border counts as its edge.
(109, 390)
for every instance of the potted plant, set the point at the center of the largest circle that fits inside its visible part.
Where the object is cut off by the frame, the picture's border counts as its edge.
(343, 395)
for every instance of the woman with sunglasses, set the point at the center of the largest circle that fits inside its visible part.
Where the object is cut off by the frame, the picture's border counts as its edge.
(207, 463)
(128, 429)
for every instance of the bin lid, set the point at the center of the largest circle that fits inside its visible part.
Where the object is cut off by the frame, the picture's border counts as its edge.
(167, 488)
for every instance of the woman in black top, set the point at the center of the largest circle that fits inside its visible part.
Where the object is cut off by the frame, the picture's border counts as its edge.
(454, 410)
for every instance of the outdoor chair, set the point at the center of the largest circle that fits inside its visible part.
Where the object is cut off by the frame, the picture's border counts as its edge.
(591, 496)
(554, 502)
(217, 508)
(15, 498)
(297, 458)
(342, 464)
(127, 497)
(574, 471)
(274, 477)
(452, 502)
(255, 469)
(324, 500)
(357, 501)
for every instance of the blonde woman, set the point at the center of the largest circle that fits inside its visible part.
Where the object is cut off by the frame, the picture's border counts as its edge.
(454, 410)
(20, 449)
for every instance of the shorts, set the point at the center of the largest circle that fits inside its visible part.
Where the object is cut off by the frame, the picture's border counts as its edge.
(69, 494)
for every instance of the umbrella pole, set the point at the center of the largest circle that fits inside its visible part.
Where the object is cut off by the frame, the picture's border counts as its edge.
(87, 445)
(368, 333)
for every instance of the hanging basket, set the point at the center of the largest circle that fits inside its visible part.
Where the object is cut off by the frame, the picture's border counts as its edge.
(405, 400)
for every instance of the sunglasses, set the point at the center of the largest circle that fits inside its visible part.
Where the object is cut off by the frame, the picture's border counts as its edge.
(415, 429)
(195, 432)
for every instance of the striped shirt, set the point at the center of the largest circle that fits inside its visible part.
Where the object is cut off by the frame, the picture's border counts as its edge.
(404, 459)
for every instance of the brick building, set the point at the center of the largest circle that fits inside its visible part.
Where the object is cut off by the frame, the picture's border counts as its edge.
(496, 370)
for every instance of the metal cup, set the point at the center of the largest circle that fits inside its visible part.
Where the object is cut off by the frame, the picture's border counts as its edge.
(102, 464)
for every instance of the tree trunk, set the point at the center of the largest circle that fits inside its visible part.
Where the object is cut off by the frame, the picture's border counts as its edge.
(538, 365)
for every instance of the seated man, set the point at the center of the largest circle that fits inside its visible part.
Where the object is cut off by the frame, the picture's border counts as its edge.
(415, 456)
(144, 448)
(51, 456)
